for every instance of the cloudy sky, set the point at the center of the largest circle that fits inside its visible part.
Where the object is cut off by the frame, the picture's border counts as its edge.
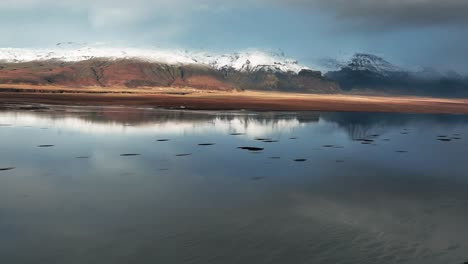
(408, 32)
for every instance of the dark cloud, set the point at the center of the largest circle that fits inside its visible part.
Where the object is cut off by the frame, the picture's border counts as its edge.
(363, 13)
(390, 13)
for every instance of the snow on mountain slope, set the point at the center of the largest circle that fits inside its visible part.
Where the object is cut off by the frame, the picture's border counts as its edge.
(373, 63)
(250, 60)
(362, 62)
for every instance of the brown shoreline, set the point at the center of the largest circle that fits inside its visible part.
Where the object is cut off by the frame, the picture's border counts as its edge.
(216, 100)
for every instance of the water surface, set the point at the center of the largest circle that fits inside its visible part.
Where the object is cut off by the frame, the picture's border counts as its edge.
(122, 185)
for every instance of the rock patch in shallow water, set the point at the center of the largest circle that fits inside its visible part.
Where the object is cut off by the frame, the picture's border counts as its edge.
(162, 140)
(444, 139)
(82, 157)
(206, 144)
(7, 169)
(401, 151)
(251, 148)
(129, 154)
(236, 134)
(45, 146)
(183, 155)
(257, 178)
(300, 160)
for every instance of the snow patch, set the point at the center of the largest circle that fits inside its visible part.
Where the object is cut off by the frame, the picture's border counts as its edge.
(251, 60)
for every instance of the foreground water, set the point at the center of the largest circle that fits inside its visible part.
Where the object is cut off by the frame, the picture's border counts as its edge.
(119, 185)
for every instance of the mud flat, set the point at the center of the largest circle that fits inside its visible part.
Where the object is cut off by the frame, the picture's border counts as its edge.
(216, 100)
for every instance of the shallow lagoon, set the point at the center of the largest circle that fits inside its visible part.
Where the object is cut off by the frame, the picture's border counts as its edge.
(125, 185)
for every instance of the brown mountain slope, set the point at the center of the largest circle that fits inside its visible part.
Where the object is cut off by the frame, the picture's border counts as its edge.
(135, 73)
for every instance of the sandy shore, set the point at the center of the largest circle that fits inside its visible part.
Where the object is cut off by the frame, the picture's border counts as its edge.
(187, 98)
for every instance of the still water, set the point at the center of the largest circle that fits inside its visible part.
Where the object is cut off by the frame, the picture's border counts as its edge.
(119, 185)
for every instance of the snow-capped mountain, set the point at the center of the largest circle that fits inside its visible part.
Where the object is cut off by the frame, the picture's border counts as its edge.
(373, 73)
(363, 62)
(246, 61)
(373, 63)
(82, 65)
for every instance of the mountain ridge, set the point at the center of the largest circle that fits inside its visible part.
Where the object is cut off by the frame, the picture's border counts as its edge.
(79, 65)
(138, 73)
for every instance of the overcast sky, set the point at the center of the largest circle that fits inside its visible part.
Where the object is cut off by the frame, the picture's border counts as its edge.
(408, 32)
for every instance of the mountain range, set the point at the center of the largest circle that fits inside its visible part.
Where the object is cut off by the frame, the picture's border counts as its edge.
(76, 65)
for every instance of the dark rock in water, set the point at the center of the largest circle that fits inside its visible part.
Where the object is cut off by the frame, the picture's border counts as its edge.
(444, 139)
(251, 148)
(274, 157)
(129, 154)
(328, 146)
(300, 160)
(270, 141)
(456, 138)
(402, 151)
(183, 155)
(442, 136)
(257, 178)
(45, 146)
(293, 138)
(82, 157)
(7, 169)
(262, 139)
(364, 140)
(237, 134)
(375, 135)
(163, 140)
(206, 144)
(404, 133)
